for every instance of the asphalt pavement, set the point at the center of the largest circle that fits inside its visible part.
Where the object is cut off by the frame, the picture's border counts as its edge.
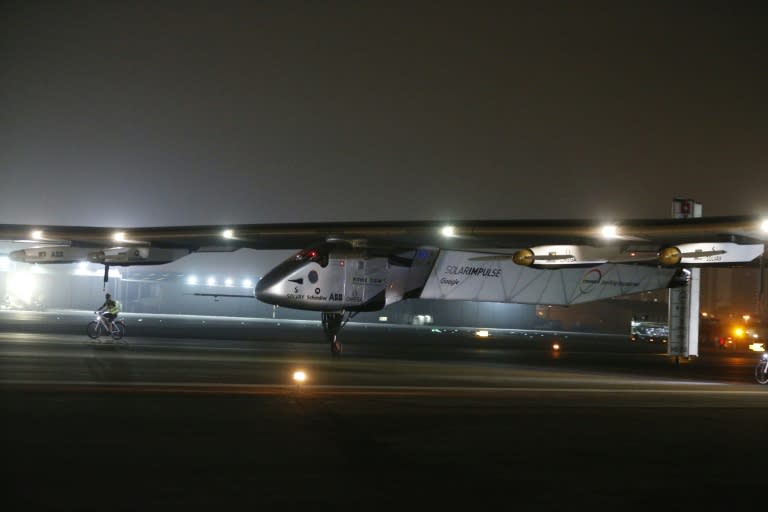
(406, 418)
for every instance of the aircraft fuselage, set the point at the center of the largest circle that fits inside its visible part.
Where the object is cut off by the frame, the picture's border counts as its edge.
(336, 277)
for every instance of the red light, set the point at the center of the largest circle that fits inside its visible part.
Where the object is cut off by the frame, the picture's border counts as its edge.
(312, 254)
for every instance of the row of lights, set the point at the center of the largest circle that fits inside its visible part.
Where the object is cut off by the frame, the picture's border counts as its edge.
(211, 281)
(119, 236)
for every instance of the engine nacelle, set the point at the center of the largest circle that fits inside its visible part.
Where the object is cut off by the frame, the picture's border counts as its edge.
(51, 254)
(136, 256)
(560, 255)
(708, 254)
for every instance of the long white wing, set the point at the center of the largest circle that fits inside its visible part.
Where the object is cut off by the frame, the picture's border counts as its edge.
(551, 243)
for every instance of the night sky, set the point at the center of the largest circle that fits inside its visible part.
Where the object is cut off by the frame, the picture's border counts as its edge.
(171, 113)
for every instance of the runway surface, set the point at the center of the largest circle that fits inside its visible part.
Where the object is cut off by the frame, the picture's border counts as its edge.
(406, 417)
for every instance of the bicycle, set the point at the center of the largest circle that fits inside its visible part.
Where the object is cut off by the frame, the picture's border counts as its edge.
(99, 327)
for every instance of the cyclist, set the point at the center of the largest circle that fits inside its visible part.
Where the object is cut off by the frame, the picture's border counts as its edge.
(111, 308)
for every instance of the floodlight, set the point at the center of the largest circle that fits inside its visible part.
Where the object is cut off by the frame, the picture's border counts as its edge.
(609, 231)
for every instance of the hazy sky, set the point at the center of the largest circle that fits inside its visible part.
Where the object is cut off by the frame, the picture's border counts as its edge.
(167, 113)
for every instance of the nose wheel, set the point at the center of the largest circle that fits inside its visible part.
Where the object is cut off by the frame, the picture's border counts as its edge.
(335, 346)
(332, 324)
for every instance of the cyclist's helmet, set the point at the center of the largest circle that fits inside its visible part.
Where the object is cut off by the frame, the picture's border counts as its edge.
(107, 296)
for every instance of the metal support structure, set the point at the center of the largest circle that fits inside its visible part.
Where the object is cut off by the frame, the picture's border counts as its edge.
(684, 302)
(684, 317)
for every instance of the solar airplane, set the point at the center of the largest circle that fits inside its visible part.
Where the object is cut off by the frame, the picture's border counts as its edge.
(343, 268)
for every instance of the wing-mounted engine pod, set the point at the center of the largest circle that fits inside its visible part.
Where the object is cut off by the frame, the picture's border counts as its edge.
(524, 257)
(670, 256)
(126, 256)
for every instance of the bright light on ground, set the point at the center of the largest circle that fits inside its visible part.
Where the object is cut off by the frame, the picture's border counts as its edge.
(228, 233)
(228, 281)
(299, 376)
(211, 281)
(555, 347)
(448, 231)
(37, 235)
(119, 236)
(192, 280)
(482, 333)
(247, 283)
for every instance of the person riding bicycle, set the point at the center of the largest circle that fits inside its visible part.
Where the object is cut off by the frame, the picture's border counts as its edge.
(111, 308)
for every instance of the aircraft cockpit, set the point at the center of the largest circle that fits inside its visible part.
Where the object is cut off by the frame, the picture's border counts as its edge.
(317, 254)
(291, 271)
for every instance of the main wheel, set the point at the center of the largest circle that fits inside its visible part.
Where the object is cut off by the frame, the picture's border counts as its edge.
(761, 372)
(93, 330)
(335, 346)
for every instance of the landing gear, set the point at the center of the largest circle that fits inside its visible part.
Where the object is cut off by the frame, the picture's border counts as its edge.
(332, 324)
(336, 346)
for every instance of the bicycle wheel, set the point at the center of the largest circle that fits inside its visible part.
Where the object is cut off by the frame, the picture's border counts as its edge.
(117, 331)
(93, 330)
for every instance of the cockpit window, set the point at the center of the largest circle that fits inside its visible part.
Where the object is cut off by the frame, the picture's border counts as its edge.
(315, 254)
